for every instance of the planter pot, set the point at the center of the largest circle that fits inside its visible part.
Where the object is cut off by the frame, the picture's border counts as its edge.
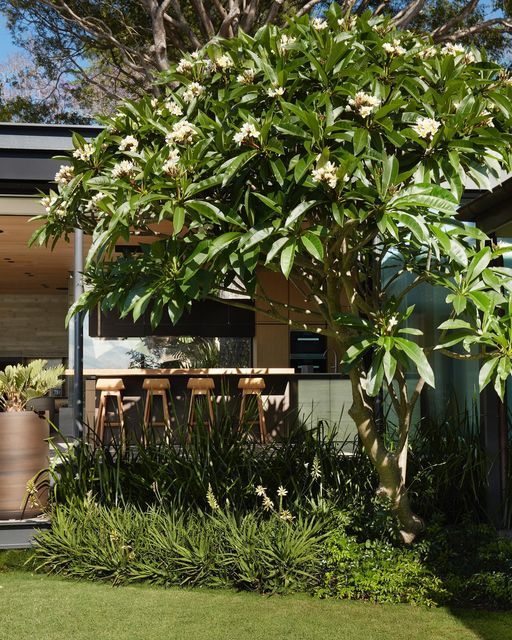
(24, 453)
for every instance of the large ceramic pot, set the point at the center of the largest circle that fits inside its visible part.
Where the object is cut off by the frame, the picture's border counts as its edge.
(23, 454)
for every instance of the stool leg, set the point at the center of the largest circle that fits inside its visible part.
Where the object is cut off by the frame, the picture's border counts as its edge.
(210, 410)
(167, 416)
(122, 433)
(147, 413)
(100, 421)
(261, 416)
(191, 414)
(242, 411)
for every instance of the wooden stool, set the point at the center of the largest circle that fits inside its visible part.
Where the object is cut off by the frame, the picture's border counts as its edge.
(253, 387)
(200, 387)
(155, 387)
(110, 388)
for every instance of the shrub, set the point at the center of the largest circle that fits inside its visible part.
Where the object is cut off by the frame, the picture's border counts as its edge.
(376, 570)
(268, 555)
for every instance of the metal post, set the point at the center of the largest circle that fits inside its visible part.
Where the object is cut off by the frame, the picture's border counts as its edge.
(78, 334)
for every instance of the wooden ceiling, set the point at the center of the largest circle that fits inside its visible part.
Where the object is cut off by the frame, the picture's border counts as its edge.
(35, 269)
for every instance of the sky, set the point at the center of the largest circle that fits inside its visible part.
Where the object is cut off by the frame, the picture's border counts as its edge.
(7, 48)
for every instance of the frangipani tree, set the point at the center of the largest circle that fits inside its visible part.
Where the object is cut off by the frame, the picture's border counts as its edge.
(327, 151)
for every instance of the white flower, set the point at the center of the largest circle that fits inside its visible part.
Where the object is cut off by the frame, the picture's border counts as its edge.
(268, 505)
(282, 492)
(182, 132)
(173, 108)
(92, 205)
(223, 62)
(195, 55)
(154, 102)
(171, 166)
(85, 152)
(246, 132)
(318, 24)
(347, 23)
(364, 103)
(429, 52)
(487, 118)
(326, 173)
(469, 57)
(194, 90)
(247, 77)
(316, 469)
(128, 143)
(394, 48)
(123, 168)
(286, 41)
(275, 91)
(184, 66)
(261, 491)
(64, 175)
(211, 499)
(451, 49)
(426, 127)
(286, 515)
(48, 203)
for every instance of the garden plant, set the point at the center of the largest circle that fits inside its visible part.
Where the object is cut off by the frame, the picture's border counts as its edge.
(335, 152)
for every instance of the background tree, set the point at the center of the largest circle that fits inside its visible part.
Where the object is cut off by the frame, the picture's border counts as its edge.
(117, 46)
(318, 152)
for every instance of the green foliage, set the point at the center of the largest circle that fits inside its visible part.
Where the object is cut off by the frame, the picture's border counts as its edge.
(474, 564)
(376, 571)
(21, 383)
(268, 555)
(316, 151)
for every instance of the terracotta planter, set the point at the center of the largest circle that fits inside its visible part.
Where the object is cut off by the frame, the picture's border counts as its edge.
(23, 454)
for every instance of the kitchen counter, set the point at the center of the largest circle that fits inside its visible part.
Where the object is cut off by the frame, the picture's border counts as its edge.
(242, 371)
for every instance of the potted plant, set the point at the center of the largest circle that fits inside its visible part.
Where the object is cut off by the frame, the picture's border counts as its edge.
(24, 436)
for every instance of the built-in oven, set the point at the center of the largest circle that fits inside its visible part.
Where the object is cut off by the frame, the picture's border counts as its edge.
(308, 352)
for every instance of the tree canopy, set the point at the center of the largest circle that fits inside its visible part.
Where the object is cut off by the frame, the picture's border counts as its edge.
(334, 152)
(116, 47)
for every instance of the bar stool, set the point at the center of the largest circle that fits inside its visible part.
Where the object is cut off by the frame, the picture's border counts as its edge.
(200, 387)
(253, 387)
(110, 388)
(155, 388)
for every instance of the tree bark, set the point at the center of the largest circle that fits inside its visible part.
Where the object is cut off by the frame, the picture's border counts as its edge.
(386, 463)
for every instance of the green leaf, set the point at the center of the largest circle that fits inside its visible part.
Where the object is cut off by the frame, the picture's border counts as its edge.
(486, 372)
(297, 211)
(178, 220)
(287, 257)
(389, 363)
(313, 245)
(415, 353)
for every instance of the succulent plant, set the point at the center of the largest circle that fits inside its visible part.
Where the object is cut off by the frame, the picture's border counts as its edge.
(21, 383)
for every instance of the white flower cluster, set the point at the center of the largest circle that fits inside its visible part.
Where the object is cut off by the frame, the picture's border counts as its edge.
(426, 127)
(182, 132)
(194, 90)
(451, 49)
(173, 108)
(428, 52)
(318, 24)
(125, 168)
(247, 77)
(347, 23)
(487, 120)
(394, 48)
(286, 41)
(84, 153)
(64, 175)
(184, 66)
(326, 173)
(363, 103)
(275, 91)
(92, 204)
(246, 132)
(48, 203)
(171, 166)
(223, 62)
(128, 143)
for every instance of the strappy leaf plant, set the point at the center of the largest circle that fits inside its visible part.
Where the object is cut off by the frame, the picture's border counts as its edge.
(21, 383)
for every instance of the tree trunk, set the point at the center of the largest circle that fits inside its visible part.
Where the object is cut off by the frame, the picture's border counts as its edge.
(392, 484)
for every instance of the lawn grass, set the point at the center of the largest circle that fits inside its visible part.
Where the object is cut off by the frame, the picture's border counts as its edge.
(49, 608)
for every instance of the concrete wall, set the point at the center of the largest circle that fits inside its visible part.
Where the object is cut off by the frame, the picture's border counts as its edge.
(32, 325)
